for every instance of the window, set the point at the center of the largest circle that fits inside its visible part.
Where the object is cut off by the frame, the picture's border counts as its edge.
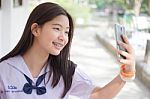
(17, 3)
(0, 4)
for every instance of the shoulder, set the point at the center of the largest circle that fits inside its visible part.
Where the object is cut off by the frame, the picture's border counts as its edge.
(3, 68)
(81, 76)
(78, 74)
(7, 64)
(3, 64)
(82, 85)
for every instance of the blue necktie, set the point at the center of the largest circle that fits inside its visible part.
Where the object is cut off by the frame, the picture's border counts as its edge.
(28, 87)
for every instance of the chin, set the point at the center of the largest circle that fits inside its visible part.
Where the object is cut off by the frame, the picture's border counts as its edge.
(55, 53)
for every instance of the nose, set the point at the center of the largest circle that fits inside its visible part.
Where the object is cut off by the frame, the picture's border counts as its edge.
(62, 36)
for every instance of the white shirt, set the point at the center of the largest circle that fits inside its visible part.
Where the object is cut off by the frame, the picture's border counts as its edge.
(12, 81)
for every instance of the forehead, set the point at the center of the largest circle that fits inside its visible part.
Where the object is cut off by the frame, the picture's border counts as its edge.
(61, 19)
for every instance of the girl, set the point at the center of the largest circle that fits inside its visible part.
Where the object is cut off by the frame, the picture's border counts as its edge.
(39, 66)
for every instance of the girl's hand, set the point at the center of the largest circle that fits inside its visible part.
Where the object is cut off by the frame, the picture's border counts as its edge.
(129, 62)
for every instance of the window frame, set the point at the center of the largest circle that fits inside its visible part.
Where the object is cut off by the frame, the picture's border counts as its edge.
(17, 3)
(0, 4)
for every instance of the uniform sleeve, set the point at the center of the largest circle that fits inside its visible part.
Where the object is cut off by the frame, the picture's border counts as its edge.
(82, 86)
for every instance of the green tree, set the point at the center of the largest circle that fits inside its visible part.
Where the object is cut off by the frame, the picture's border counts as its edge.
(75, 9)
(145, 7)
(108, 3)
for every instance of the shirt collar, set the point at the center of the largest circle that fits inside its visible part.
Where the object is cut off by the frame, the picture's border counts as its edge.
(19, 64)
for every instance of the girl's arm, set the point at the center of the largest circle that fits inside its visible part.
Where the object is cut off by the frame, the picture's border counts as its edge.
(112, 89)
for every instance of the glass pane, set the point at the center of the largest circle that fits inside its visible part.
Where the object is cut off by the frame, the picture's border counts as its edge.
(17, 3)
(0, 4)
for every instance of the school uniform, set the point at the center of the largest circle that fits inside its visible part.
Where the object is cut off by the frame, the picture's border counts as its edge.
(16, 82)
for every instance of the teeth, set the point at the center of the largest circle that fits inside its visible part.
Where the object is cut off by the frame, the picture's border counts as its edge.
(57, 44)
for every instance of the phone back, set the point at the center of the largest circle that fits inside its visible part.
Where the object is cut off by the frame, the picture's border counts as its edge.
(119, 30)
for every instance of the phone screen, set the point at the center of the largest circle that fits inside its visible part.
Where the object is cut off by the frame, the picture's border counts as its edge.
(119, 30)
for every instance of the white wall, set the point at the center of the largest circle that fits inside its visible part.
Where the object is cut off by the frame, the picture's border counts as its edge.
(12, 24)
(0, 31)
(5, 33)
(18, 20)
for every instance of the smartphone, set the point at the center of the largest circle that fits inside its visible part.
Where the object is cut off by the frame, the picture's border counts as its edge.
(120, 30)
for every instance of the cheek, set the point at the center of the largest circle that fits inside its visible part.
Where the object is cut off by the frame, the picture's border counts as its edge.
(45, 40)
(50, 37)
(67, 40)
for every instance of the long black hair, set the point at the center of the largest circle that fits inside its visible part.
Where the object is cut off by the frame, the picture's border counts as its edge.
(60, 65)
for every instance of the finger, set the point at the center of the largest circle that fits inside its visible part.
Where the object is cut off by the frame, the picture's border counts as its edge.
(125, 54)
(125, 39)
(127, 62)
(126, 46)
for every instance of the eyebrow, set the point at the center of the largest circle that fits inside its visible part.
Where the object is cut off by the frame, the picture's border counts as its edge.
(60, 25)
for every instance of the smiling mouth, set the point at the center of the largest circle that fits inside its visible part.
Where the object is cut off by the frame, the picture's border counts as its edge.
(58, 45)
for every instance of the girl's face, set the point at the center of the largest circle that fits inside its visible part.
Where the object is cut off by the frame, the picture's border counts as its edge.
(53, 35)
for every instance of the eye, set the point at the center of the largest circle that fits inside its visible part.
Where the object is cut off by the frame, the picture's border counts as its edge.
(67, 32)
(58, 29)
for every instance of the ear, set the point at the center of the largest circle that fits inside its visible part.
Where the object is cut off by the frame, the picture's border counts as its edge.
(35, 29)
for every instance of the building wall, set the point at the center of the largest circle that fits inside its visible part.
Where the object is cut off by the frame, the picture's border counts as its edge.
(5, 25)
(12, 22)
(18, 21)
(0, 31)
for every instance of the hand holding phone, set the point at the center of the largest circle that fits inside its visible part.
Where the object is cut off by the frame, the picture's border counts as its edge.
(127, 69)
(119, 31)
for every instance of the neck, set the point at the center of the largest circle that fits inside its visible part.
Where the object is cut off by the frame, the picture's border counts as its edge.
(35, 60)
